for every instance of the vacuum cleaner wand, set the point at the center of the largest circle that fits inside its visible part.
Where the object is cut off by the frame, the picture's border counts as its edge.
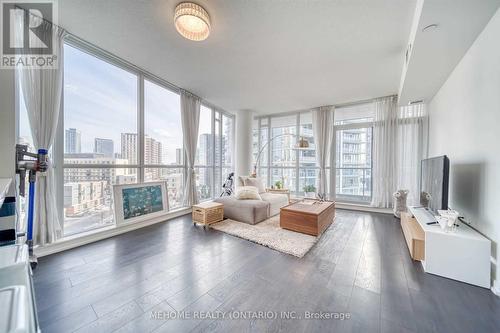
(31, 163)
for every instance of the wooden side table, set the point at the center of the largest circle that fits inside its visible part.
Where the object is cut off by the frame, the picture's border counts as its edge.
(207, 213)
(279, 191)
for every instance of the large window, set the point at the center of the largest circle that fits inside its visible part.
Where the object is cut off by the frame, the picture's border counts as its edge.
(120, 125)
(204, 163)
(214, 155)
(100, 137)
(283, 166)
(163, 153)
(353, 158)
(296, 168)
(280, 161)
(354, 164)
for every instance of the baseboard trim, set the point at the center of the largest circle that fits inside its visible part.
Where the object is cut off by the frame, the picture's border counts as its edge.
(97, 235)
(495, 288)
(363, 208)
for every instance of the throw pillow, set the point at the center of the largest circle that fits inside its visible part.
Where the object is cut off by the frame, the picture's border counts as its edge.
(247, 193)
(241, 180)
(256, 182)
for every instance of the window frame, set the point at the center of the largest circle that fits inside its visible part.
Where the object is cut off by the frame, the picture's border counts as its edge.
(330, 169)
(269, 166)
(217, 165)
(142, 75)
(361, 125)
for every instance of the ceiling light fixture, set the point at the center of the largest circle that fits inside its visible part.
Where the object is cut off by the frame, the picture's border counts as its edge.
(192, 21)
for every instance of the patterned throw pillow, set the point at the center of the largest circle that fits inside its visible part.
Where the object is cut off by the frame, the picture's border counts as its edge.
(247, 193)
(256, 182)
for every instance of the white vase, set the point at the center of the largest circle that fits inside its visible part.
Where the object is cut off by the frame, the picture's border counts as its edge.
(311, 195)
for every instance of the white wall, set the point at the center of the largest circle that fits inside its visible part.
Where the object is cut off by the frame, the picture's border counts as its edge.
(7, 123)
(465, 125)
(243, 142)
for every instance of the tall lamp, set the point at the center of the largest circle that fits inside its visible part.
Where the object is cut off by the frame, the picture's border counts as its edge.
(302, 144)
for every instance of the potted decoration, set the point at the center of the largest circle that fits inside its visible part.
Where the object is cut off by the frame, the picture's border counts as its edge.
(309, 191)
(278, 185)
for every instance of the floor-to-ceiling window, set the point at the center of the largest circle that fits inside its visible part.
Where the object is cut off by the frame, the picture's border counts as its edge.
(227, 149)
(214, 155)
(163, 152)
(308, 172)
(353, 157)
(280, 162)
(204, 162)
(100, 138)
(122, 125)
(283, 155)
(261, 152)
(296, 168)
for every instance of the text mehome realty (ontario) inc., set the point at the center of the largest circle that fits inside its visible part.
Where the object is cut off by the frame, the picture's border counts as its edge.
(249, 315)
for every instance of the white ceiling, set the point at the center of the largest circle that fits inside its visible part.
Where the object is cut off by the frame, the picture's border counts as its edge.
(437, 52)
(262, 55)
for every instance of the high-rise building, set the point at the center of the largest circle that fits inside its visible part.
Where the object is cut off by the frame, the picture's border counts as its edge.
(152, 151)
(73, 141)
(205, 150)
(152, 156)
(354, 161)
(129, 142)
(104, 146)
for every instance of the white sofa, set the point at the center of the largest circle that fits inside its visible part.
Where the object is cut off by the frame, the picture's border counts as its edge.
(252, 211)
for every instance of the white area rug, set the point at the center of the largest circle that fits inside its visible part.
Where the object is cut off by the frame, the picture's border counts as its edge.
(269, 233)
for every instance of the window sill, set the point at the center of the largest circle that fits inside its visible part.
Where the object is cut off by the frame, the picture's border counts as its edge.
(362, 207)
(91, 236)
(354, 206)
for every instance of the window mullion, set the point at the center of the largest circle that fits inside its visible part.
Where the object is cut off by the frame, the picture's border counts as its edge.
(297, 155)
(140, 127)
(212, 186)
(269, 149)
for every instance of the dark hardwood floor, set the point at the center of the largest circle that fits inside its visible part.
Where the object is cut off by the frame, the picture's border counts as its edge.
(360, 266)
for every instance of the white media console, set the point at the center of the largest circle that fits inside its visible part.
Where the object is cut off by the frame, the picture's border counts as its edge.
(463, 254)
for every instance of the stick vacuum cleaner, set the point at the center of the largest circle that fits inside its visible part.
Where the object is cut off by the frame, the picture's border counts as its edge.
(31, 163)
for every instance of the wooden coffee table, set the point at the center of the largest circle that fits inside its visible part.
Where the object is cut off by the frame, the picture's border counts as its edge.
(308, 216)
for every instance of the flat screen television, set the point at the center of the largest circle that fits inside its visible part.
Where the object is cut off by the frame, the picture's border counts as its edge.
(435, 173)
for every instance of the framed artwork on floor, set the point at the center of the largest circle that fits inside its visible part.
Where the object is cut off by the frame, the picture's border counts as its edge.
(139, 202)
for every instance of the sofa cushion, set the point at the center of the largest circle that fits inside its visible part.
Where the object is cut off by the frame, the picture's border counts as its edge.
(276, 201)
(247, 192)
(257, 182)
(247, 211)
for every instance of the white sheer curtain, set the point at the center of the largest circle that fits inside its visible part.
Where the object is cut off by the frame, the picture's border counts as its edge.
(385, 145)
(412, 148)
(322, 123)
(190, 117)
(42, 89)
(399, 144)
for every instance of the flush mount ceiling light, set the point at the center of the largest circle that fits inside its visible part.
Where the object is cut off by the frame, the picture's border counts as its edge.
(192, 21)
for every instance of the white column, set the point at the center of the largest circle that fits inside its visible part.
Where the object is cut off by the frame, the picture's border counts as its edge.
(243, 136)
